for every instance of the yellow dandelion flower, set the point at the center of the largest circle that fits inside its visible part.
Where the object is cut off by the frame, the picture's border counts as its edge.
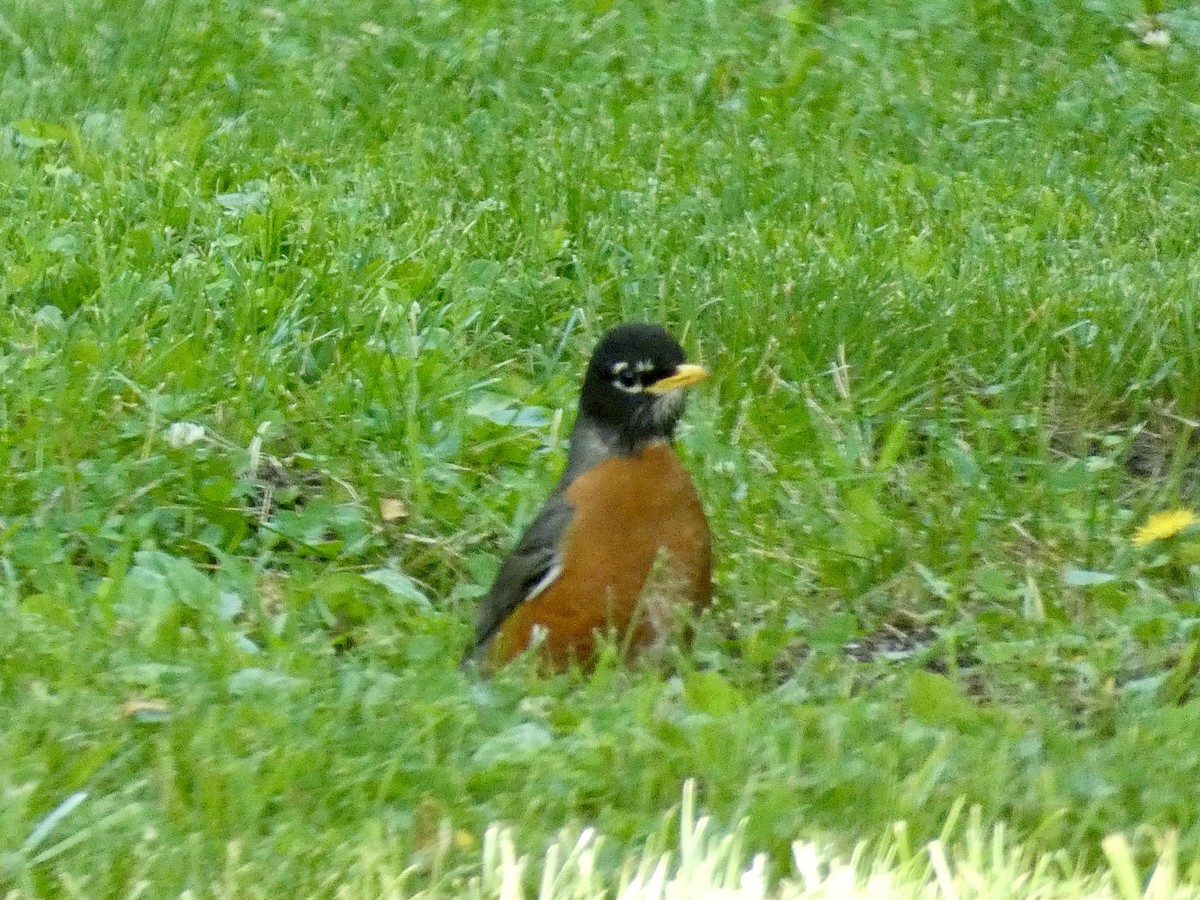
(1164, 525)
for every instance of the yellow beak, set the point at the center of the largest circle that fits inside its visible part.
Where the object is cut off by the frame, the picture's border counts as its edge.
(684, 376)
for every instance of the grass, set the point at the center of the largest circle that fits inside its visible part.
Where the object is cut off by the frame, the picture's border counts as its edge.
(940, 256)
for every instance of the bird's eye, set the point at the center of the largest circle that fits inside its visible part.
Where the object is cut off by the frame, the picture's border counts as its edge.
(627, 378)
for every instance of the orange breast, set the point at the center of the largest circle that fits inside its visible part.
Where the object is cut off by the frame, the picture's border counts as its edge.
(627, 510)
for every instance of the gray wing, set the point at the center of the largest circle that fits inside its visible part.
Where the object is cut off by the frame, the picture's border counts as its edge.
(527, 571)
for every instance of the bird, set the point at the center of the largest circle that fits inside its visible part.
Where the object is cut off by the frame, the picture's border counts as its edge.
(622, 541)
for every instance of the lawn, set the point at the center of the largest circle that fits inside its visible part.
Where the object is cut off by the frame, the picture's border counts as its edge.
(296, 299)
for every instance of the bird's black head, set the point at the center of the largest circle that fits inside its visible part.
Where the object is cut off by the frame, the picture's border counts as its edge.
(634, 384)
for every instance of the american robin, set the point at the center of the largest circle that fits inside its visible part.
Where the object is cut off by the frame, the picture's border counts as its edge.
(624, 508)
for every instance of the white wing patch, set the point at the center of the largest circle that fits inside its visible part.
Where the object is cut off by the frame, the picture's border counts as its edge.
(548, 579)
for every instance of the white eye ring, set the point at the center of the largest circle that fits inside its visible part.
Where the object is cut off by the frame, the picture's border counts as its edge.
(627, 380)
